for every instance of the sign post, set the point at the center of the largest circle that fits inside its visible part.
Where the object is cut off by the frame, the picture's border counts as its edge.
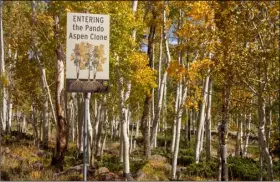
(87, 60)
(85, 146)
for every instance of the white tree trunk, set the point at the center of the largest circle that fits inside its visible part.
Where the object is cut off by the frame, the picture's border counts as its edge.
(175, 120)
(2, 72)
(45, 125)
(260, 164)
(124, 139)
(80, 122)
(162, 85)
(45, 85)
(73, 118)
(269, 118)
(121, 144)
(247, 134)
(98, 129)
(181, 102)
(10, 112)
(199, 133)
(208, 122)
(136, 133)
(103, 146)
(202, 137)
(34, 124)
(90, 133)
(238, 150)
(262, 138)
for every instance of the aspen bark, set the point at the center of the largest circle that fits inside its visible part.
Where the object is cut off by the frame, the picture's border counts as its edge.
(145, 123)
(208, 122)
(80, 121)
(162, 82)
(45, 125)
(62, 126)
(103, 146)
(178, 129)
(247, 134)
(238, 150)
(34, 124)
(175, 120)
(223, 129)
(136, 133)
(44, 83)
(199, 134)
(269, 118)
(188, 128)
(182, 94)
(99, 130)
(90, 132)
(124, 142)
(24, 124)
(73, 111)
(261, 164)
(262, 138)
(121, 143)
(9, 110)
(2, 72)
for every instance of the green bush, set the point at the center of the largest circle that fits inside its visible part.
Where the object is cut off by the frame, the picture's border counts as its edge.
(202, 169)
(185, 157)
(188, 151)
(185, 160)
(276, 169)
(243, 169)
(136, 165)
(111, 162)
(161, 151)
(161, 139)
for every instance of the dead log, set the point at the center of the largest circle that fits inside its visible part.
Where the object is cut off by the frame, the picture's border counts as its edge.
(78, 168)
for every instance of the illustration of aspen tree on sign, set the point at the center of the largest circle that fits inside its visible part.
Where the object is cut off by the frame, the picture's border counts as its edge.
(78, 56)
(96, 57)
(100, 56)
(90, 86)
(89, 59)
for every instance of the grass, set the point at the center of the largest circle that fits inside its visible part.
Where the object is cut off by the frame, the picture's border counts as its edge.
(239, 168)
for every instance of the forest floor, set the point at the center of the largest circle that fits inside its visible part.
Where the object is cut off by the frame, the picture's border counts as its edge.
(21, 160)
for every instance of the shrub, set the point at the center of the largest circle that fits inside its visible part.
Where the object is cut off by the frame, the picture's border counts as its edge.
(161, 151)
(111, 162)
(161, 139)
(185, 157)
(155, 170)
(203, 169)
(5, 176)
(243, 168)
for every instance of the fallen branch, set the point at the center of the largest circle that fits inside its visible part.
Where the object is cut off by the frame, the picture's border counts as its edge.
(78, 168)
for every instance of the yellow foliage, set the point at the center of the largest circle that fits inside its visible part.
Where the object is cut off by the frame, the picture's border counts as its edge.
(4, 80)
(200, 10)
(192, 102)
(197, 72)
(142, 75)
(199, 69)
(156, 170)
(35, 175)
(176, 71)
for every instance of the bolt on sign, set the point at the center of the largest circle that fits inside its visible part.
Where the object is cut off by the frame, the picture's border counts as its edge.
(87, 52)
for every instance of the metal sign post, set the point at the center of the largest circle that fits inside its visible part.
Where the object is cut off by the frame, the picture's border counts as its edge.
(87, 61)
(85, 146)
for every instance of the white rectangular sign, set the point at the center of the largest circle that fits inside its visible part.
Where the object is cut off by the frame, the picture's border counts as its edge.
(87, 54)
